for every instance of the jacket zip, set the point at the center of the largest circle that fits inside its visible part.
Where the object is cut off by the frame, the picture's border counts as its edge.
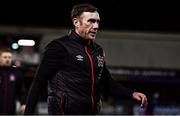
(92, 77)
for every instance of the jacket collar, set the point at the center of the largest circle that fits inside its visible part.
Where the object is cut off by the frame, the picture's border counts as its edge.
(5, 67)
(74, 36)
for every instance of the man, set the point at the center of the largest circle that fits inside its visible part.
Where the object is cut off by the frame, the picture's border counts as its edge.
(11, 84)
(75, 70)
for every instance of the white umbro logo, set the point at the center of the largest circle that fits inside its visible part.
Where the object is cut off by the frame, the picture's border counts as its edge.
(79, 57)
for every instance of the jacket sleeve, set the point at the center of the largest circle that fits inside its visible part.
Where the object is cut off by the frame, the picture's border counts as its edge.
(52, 60)
(113, 87)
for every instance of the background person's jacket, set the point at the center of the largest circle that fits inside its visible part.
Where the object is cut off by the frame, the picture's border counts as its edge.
(76, 74)
(11, 89)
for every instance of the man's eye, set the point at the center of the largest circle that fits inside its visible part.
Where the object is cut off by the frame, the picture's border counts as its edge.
(92, 21)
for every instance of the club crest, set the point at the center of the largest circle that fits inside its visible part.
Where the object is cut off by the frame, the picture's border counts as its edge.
(100, 61)
(12, 77)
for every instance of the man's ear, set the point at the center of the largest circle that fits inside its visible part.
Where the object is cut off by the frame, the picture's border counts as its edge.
(76, 22)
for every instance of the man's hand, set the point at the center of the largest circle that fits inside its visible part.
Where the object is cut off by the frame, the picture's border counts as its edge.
(22, 108)
(141, 97)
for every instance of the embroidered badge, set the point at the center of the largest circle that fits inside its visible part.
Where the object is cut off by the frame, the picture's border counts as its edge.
(100, 61)
(12, 77)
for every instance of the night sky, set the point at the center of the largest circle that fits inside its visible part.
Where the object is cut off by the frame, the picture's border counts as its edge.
(117, 15)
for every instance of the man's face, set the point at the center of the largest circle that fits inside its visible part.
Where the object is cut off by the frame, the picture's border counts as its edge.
(87, 25)
(5, 59)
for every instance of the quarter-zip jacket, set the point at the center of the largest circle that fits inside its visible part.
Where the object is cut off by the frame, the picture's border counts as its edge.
(76, 74)
(11, 89)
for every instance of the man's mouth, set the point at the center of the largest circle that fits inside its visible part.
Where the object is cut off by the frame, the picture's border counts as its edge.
(94, 33)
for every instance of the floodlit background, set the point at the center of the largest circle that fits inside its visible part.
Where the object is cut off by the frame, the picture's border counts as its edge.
(142, 44)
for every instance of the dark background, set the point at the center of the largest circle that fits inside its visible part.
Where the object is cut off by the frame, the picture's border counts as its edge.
(153, 16)
(130, 16)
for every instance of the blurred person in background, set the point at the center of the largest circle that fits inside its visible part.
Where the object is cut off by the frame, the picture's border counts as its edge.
(11, 85)
(74, 69)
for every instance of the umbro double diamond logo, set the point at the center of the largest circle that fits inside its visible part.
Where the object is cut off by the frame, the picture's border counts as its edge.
(79, 57)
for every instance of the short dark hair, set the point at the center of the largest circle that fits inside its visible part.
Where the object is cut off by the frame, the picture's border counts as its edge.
(78, 9)
(5, 50)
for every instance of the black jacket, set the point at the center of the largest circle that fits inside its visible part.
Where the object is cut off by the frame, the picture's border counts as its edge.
(11, 89)
(76, 75)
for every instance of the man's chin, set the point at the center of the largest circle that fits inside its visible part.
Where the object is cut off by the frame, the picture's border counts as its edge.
(92, 38)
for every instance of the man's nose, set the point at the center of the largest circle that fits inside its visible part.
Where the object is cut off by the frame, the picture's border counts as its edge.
(96, 25)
